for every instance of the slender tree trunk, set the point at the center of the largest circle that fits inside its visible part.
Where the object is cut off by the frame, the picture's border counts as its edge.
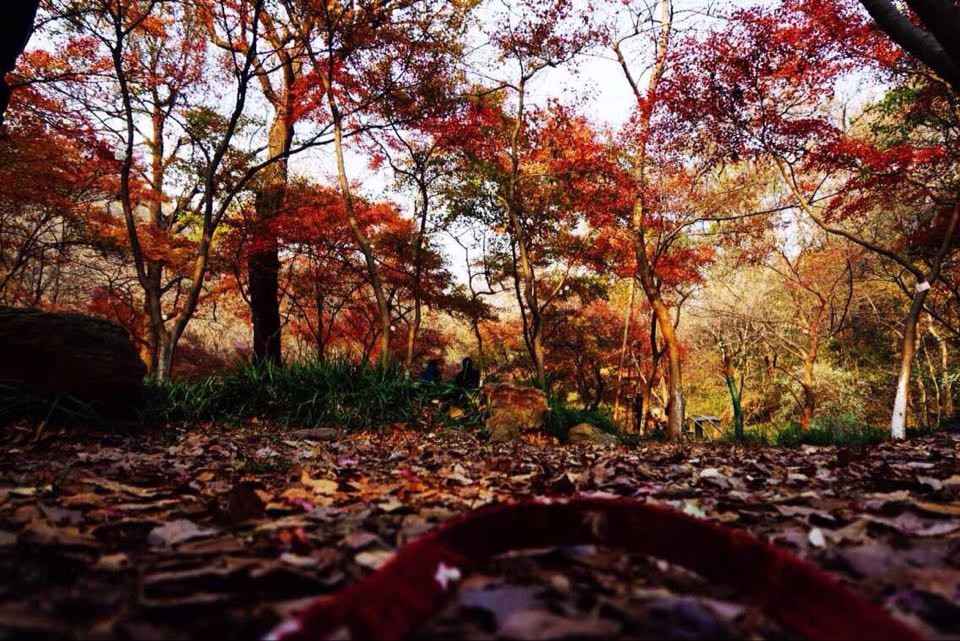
(937, 406)
(527, 274)
(627, 318)
(675, 403)
(646, 395)
(730, 375)
(153, 316)
(946, 382)
(924, 400)
(809, 394)
(321, 341)
(908, 348)
(898, 422)
(165, 351)
(418, 277)
(366, 247)
(157, 332)
(645, 272)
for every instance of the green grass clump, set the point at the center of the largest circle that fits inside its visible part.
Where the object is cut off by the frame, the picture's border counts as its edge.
(331, 393)
(841, 431)
(751, 438)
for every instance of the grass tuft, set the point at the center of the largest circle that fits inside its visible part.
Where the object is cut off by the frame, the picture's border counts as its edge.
(331, 393)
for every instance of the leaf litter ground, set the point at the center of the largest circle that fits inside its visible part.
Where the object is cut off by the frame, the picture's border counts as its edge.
(219, 532)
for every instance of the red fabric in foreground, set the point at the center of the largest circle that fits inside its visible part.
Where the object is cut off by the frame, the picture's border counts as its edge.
(394, 601)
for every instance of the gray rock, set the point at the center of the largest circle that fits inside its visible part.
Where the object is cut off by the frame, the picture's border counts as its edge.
(90, 359)
(586, 433)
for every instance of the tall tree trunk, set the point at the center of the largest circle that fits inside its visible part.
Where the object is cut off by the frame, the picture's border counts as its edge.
(646, 101)
(898, 422)
(675, 404)
(165, 351)
(318, 301)
(418, 276)
(924, 401)
(525, 266)
(908, 348)
(627, 319)
(263, 264)
(363, 242)
(937, 406)
(152, 285)
(646, 395)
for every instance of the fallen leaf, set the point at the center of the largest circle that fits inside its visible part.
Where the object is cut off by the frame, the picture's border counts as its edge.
(176, 532)
(816, 538)
(319, 486)
(943, 509)
(373, 559)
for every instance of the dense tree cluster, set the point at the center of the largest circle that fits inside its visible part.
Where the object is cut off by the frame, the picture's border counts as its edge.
(769, 237)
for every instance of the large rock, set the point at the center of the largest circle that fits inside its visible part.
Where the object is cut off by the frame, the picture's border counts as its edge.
(513, 410)
(586, 433)
(90, 359)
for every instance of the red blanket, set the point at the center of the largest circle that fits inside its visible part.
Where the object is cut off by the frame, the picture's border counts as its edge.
(391, 603)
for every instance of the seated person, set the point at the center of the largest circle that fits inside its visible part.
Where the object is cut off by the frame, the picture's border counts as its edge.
(469, 376)
(431, 373)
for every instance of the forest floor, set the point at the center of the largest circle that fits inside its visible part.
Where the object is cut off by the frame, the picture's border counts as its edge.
(217, 532)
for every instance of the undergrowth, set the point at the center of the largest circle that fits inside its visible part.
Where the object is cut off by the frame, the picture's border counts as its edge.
(22, 403)
(330, 393)
(841, 431)
(561, 418)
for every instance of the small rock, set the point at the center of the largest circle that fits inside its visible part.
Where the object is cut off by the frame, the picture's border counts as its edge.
(588, 434)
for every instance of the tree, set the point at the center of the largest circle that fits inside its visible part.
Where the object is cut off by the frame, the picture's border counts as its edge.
(768, 97)
(419, 159)
(14, 36)
(547, 196)
(935, 41)
(148, 56)
(816, 286)
(646, 103)
(537, 37)
(374, 65)
(278, 69)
